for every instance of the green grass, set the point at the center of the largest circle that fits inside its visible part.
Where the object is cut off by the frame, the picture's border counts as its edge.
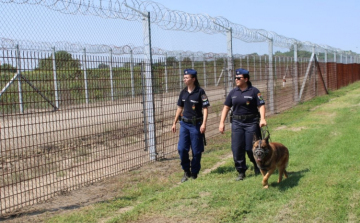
(323, 185)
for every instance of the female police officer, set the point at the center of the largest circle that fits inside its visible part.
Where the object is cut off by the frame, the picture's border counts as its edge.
(247, 119)
(191, 102)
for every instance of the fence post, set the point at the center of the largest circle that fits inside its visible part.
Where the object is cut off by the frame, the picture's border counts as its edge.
(150, 110)
(85, 78)
(111, 76)
(247, 63)
(254, 67)
(271, 77)
(260, 68)
(204, 65)
(325, 69)
(336, 77)
(192, 62)
(166, 74)
(180, 72)
(55, 80)
(214, 70)
(18, 74)
(314, 67)
(296, 74)
(275, 68)
(346, 58)
(229, 60)
(132, 73)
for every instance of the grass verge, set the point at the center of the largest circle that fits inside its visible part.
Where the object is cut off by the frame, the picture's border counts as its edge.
(323, 184)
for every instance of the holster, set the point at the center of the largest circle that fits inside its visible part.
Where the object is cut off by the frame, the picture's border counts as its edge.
(193, 120)
(231, 116)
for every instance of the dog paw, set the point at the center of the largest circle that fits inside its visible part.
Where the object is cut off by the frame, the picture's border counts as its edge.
(266, 186)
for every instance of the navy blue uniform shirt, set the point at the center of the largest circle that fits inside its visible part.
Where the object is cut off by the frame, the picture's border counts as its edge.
(244, 102)
(193, 102)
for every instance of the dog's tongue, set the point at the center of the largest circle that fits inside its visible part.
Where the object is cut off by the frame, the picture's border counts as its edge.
(258, 159)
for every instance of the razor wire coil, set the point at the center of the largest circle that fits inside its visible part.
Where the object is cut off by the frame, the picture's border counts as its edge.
(169, 19)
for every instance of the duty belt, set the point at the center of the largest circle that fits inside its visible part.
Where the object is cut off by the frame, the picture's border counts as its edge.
(193, 120)
(245, 117)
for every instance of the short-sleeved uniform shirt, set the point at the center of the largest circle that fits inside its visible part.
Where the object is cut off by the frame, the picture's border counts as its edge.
(244, 102)
(193, 102)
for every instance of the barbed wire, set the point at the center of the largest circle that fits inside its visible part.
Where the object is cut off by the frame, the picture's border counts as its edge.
(10, 44)
(172, 20)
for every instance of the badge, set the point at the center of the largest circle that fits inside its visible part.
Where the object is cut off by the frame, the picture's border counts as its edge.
(193, 107)
(260, 97)
(204, 97)
(248, 102)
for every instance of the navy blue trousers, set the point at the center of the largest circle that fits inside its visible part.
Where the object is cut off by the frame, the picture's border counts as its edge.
(242, 134)
(190, 136)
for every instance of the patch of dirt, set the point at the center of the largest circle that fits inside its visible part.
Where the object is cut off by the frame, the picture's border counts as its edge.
(105, 190)
(218, 164)
(295, 129)
(100, 191)
(281, 127)
(159, 219)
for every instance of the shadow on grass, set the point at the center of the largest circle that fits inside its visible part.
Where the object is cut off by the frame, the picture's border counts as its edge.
(223, 170)
(292, 180)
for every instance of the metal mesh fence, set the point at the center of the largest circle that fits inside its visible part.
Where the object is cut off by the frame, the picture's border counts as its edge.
(75, 113)
(72, 119)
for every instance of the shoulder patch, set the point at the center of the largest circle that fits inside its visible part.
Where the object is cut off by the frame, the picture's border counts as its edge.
(260, 97)
(204, 97)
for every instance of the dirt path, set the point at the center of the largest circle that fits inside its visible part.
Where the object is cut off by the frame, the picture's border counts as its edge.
(100, 191)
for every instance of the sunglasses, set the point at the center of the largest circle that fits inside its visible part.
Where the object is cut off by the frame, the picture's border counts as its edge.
(238, 78)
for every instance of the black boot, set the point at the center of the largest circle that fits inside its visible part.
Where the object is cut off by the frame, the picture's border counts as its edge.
(187, 175)
(241, 176)
(194, 175)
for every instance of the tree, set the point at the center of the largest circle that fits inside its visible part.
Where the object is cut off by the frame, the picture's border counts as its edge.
(290, 53)
(170, 60)
(63, 61)
(186, 60)
(7, 68)
(103, 66)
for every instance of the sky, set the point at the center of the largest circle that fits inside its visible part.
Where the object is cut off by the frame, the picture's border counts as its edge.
(323, 22)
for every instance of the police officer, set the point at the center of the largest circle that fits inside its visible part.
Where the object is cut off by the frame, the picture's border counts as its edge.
(192, 101)
(248, 117)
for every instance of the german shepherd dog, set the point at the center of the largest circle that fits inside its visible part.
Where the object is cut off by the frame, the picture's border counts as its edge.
(268, 157)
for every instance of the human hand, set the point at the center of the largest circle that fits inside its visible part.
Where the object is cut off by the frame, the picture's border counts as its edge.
(262, 123)
(202, 129)
(221, 128)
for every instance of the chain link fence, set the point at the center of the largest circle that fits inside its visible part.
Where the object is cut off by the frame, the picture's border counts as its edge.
(74, 113)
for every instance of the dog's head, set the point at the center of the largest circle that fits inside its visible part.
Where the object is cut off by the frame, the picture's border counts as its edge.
(260, 148)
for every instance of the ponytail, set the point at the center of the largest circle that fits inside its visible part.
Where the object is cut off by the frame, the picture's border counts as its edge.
(196, 83)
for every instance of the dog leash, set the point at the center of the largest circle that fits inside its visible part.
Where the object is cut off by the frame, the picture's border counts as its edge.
(264, 130)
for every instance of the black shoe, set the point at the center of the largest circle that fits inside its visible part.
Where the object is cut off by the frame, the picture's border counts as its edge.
(187, 175)
(240, 177)
(194, 175)
(256, 170)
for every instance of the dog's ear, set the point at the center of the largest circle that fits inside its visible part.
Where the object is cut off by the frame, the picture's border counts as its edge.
(267, 138)
(255, 138)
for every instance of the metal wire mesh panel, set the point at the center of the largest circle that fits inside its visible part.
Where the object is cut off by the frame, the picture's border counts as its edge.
(76, 108)
(61, 133)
